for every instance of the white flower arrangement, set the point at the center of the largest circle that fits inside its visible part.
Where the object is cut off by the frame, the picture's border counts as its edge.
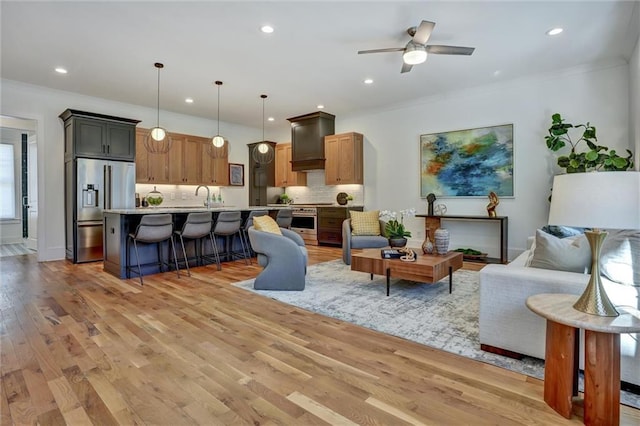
(395, 228)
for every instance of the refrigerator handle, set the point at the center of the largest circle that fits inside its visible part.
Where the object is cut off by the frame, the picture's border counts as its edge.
(107, 187)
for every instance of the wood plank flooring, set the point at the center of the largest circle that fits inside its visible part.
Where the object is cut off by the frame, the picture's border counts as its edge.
(78, 346)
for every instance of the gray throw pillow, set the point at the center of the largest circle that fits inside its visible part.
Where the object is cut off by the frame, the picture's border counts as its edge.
(572, 254)
(620, 257)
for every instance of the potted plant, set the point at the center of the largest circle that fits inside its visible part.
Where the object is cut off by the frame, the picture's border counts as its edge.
(284, 199)
(394, 228)
(597, 157)
(349, 199)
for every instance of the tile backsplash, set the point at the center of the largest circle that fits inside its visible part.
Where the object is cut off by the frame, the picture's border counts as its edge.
(317, 192)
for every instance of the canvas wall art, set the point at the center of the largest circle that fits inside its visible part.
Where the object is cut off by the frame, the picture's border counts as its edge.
(467, 163)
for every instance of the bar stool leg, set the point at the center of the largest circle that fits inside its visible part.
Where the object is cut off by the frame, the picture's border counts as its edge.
(184, 253)
(175, 258)
(214, 247)
(135, 246)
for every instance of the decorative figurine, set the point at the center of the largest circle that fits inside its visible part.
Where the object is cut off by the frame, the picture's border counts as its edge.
(430, 198)
(440, 209)
(493, 202)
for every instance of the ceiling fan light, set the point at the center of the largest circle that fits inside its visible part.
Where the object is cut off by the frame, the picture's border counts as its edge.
(263, 148)
(414, 54)
(217, 141)
(158, 134)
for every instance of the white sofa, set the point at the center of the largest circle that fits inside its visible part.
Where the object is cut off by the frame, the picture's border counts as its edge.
(506, 323)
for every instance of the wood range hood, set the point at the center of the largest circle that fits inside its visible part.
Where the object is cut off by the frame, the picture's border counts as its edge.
(307, 140)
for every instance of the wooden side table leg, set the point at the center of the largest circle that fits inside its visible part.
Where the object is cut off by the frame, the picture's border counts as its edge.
(601, 378)
(559, 367)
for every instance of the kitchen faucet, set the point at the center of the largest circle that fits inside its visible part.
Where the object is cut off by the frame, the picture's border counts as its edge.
(207, 203)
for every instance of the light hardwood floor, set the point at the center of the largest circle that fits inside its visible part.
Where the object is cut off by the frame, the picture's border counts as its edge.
(79, 346)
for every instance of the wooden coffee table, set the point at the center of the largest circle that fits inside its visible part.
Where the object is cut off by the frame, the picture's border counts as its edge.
(428, 268)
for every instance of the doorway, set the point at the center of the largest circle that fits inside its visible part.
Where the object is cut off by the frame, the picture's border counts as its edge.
(18, 226)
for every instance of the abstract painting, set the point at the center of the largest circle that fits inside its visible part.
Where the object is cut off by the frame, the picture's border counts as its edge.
(467, 163)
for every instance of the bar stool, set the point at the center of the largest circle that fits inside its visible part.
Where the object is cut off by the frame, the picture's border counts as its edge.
(248, 223)
(227, 225)
(197, 227)
(284, 218)
(152, 229)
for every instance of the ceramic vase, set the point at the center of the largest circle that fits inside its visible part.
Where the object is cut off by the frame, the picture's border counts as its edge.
(397, 242)
(441, 238)
(427, 246)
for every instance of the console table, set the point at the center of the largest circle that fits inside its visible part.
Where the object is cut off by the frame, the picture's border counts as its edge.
(602, 357)
(434, 222)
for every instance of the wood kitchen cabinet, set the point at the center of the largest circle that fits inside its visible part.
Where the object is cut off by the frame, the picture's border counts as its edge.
(344, 159)
(150, 167)
(330, 224)
(215, 171)
(284, 175)
(92, 135)
(186, 163)
(185, 166)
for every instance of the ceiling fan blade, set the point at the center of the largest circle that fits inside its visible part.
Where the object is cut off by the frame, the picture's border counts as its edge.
(390, 49)
(405, 68)
(449, 50)
(423, 32)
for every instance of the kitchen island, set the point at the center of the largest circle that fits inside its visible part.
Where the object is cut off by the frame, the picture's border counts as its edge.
(119, 223)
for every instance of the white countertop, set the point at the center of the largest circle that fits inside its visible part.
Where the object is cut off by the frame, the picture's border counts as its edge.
(189, 209)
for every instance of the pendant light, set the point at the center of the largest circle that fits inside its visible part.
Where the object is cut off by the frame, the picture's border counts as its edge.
(263, 153)
(216, 148)
(158, 140)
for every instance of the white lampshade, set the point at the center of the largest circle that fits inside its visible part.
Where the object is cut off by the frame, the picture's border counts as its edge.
(604, 200)
(414, 54)
(158, 133)
(217, 141)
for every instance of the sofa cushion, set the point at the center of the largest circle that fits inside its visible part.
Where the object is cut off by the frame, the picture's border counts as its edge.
(365, 223)
(266, 224)
(571, 254)
(620, 257)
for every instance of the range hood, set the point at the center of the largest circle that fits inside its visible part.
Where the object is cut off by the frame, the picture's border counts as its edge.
(307, 140)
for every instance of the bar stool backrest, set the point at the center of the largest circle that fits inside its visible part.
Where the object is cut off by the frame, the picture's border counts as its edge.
(198, 225)
(154, 228)
(228, 223)
(284, 218)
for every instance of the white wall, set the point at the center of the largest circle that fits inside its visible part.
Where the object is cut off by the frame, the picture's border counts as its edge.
(598, 94)
(634, 99)
(44, 105)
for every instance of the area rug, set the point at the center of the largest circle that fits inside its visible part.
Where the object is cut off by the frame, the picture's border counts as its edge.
(425, 314)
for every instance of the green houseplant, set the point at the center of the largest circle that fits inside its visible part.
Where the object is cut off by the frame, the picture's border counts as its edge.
(597, 157)
(394, 228)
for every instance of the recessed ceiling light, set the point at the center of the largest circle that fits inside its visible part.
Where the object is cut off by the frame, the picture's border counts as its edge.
(267, 29)
(554, 31)
(368, 81)
(497, 73)
(271, 119)
(61, 70)
(320, 106)
(189, 100)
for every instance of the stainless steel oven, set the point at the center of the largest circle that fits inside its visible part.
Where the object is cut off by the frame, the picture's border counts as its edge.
(305, 223)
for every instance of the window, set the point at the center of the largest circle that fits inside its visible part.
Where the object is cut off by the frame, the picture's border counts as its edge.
(7, 183)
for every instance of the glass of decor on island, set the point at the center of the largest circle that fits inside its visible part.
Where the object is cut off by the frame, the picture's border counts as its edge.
(154, 198)
(394, 229)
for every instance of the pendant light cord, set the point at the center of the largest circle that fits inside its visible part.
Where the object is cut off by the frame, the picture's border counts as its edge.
(159, 66)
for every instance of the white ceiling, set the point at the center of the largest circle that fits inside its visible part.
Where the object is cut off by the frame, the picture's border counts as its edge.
(109, 49)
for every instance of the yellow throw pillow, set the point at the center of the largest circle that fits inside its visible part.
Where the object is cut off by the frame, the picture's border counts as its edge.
(266, 224)
(365, 223)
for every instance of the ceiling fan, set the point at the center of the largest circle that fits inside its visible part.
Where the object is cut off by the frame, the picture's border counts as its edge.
(415, 52)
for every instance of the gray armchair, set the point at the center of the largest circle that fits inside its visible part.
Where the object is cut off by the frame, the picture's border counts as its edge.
(284, 258)
(360, 241)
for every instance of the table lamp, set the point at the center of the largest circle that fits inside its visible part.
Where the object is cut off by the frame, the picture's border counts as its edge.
(596, 200)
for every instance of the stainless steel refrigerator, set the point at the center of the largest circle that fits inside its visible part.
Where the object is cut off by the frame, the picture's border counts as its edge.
(91, 187)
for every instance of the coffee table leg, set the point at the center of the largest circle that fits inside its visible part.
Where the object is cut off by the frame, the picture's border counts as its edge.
(450, 279)
(372, 276)
(388, 279)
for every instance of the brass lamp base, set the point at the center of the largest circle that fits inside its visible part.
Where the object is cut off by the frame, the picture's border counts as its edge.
(594, 300)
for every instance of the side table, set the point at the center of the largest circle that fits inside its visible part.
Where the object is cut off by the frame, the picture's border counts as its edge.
(602, 357)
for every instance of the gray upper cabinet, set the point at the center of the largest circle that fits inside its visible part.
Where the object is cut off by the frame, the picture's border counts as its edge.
(92, 135)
